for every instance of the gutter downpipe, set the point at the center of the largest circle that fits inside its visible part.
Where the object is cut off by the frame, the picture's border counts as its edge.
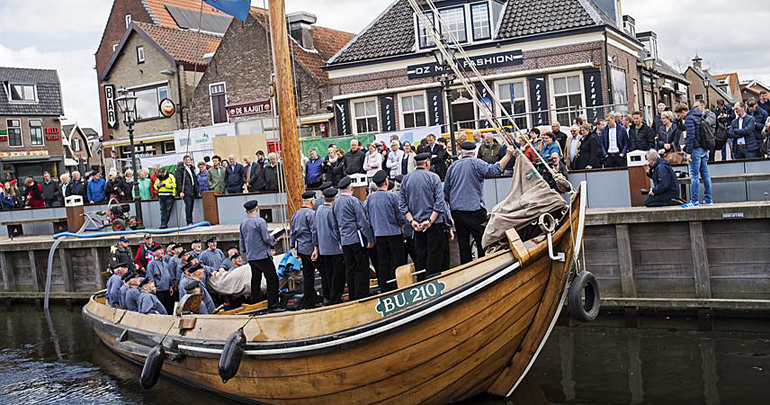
(609, 74)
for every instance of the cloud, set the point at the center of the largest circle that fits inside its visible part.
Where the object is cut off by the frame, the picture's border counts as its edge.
(76, 74)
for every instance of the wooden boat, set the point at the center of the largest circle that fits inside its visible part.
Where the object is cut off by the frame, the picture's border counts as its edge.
(473, 329)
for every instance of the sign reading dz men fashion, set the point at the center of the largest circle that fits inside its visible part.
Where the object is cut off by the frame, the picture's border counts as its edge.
(509, 58)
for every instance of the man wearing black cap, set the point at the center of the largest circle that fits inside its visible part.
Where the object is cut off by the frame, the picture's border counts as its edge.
(382, 207)
(320, 200)
(121, 253)
(114, 283)
(131, 292)
(148, 301)
(160, 274)
(196, 247)
(422, 203)
(227, 263)
(328, 250)
(144, 253)
(301, 239)
(212, 256)
(169, 253)
(356, 236)
(257, 245)
(192, 283)
(463, 189)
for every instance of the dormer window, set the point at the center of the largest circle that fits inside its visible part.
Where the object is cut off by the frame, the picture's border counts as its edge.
(24, 93)
(471, 22)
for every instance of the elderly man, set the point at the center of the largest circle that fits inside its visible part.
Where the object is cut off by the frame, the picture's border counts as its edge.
(51, 191)
(79, 186)
(463, 189)
(65, 187)
(234, 176)
(192, 283)
(301, 240)
(354, 159)
(559, 137)
(573, 146)
(148, 302)
(162, 277)
(257, 245)
(422, 203)
(328, 249)
(313, 170)
(212, 256)
(382, 208)
(490, 151)
(114, 283)
(663, 178)
(216, 175)
(272, 172)
(254, 175)
(356, 236)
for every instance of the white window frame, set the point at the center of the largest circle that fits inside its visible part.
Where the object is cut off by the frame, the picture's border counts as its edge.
(23, 101)
(42, 132)
(376, 114)
(128, 20)
(21, 132)
(155, 86)
(527, 112)
(428, 39)
(401, 111)
(552, 94)
(466, 12)
(114, 47)
(489, 21)
(140, 54)
(75, 144)
(211, 104)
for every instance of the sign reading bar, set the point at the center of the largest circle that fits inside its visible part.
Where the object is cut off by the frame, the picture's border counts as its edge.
(260, 106)
(510, 58)
(109, 99)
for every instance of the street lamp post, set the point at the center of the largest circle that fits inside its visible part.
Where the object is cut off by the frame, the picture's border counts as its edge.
(446, 79)
(127, 106)
(706, 85)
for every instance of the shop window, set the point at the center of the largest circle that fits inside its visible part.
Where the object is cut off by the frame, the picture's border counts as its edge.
(36, 132)
(567, 97)
(699, 96)
(514, 94)
(481, 24)
(365, 116)
(620, 90)
(14, 133)
(169, 147)
(413, 111)
(148, 101)
(218, 94)
(25, 93)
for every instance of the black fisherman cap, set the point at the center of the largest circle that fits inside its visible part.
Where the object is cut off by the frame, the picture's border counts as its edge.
(196, 241)
(156, 247)
(325, 185)
(380, 177)
(344, 183)
(307, 195)
(330, 192)
(249, 205)
(145, 281)
(191, 285)
(235, 255)
(422, 157)
(213, 238)
(128, 276)
(468, 146)
(147, 236)
(399, 178)
(123, 239)
(190, 268)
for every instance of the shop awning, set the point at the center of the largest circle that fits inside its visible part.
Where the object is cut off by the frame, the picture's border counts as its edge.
(141, 139)
(315, 119)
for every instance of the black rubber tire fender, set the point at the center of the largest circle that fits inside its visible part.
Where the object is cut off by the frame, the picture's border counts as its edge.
(584, 311)
(152, 367)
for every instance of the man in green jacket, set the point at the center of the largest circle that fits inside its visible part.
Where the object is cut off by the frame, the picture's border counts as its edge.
(216, 177)
(490, 151)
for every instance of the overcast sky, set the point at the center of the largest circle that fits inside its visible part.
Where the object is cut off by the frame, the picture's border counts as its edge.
(64, 34)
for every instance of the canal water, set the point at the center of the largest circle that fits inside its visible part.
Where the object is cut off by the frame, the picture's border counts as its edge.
(663, 361)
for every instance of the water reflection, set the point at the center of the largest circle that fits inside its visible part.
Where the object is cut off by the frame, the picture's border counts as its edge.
(59, 360)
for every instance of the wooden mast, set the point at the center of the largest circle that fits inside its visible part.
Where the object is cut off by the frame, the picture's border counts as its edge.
(292, 164)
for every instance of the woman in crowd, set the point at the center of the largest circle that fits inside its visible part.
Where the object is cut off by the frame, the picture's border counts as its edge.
(407, 161)
(549, 147)
(128, 185)
(372, 162)
(203, 175)
(34, 196)
(588, 154)
(142, 190)
(328, 164)
(114, 185)
(534, 143)
(669, 135)
(393, 162)
(338, 169)
(11, 198)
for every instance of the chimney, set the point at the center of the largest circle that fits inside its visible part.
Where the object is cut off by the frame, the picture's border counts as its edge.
(301, 28)
(696, 62)
(612, 9)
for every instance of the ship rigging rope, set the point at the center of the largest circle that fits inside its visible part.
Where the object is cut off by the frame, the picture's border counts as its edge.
(432, 30)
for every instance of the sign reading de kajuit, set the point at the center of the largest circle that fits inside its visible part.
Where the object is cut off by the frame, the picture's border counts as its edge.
(260, 106)
(509, 58)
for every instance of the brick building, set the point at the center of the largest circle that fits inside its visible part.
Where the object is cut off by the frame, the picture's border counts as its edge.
(546, 60)
(236, 85)
(79, 146)
(162, 13)
(153, 63)
(661, 83)
(704, 86)
(30, 126)
(752, 88)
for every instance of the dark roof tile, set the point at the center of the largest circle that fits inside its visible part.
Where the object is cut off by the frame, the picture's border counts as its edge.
(48, 91)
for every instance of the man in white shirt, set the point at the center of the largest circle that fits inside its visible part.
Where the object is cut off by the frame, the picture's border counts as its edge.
(614, 143)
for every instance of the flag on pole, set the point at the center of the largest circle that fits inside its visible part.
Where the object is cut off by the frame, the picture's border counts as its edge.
(236, 8)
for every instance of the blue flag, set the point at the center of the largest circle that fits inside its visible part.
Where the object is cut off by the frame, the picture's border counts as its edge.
(236, 8)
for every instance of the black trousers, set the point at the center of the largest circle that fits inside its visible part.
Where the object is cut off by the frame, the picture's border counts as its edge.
(334, 275)
(658, 200)
(390, 254)
(614, 160)
(308, 281)
(409, 249)
(469, 224)
(189, 203)
(258, 268)
(357, 270)
(166, 300)
(429, 250)
(166, 204)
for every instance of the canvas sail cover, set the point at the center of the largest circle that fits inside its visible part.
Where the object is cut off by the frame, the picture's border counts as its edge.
(528, 197)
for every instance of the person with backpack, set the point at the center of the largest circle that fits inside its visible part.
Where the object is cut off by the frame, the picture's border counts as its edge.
(725, 116)
(700, 125)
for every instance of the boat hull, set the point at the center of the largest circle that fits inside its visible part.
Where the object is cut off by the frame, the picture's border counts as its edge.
(480, 336)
